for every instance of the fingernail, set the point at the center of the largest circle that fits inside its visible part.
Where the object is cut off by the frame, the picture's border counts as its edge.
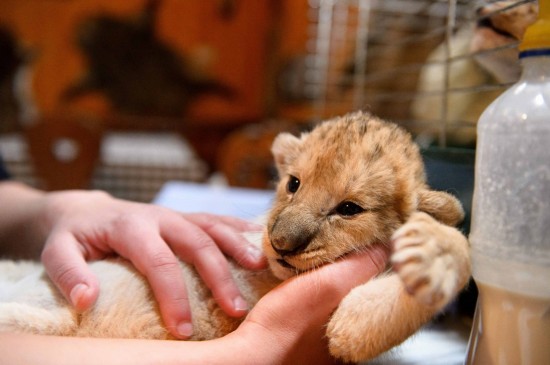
(77, 292)
(185, 329)
(240, 304)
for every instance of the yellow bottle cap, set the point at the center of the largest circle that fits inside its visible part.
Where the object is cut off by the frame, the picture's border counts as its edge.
(537, 35)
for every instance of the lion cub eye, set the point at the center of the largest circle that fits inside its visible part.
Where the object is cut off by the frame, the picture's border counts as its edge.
(348, 209)
(293, 184)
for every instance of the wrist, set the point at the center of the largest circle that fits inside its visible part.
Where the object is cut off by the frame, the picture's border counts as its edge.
(21, 231)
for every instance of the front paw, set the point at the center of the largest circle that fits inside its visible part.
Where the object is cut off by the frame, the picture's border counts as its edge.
(370, 320)
(431, 259)
(346, 328)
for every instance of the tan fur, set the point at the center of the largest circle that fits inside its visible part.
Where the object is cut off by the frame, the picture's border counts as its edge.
(125, 308)
(356, 159)
(495, 62)
(361, 159)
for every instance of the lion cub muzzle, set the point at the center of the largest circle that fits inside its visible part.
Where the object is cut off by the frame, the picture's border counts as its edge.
(292, 233)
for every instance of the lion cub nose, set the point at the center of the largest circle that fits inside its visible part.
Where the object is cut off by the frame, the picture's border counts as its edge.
(291, 242)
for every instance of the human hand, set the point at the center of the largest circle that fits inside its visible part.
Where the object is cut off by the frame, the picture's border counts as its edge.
(287, 326)
(81, 226)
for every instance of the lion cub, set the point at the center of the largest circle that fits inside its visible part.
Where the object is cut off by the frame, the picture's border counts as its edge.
(351, 183)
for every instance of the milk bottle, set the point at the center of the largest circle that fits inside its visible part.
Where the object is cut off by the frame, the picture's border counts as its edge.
(510, 233)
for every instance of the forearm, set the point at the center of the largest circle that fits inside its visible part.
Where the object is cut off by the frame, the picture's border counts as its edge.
(21, 226)
(45, 350)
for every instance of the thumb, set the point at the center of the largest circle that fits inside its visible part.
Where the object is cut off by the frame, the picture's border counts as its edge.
(294, 314)
(316, 294)
(67, 268)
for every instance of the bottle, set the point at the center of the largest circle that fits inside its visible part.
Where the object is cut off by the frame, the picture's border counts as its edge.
(510, 232)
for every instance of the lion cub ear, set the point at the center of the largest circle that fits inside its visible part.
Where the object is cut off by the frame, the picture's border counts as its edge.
(442, 206)
(285, 149)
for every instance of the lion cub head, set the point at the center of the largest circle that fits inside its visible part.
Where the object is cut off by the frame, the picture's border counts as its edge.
(345, 186)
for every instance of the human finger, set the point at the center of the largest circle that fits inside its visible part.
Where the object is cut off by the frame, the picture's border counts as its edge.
(142, 245)
(318, 292)
(66, 266)
(196, 247)
(295, 314)
(235, 237)
(205, 219)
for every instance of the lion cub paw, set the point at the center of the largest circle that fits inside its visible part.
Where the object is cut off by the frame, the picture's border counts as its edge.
(358, 329)
(427, 258)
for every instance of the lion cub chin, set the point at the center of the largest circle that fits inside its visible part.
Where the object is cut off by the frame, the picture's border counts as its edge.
(350, 184)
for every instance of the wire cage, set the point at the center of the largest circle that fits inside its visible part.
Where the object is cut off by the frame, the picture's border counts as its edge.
(429, 65)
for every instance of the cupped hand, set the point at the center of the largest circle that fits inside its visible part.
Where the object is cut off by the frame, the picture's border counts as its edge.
(287, 326)
(85, 226)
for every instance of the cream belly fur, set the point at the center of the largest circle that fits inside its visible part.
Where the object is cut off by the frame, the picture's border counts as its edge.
(350, 184)
(125, 308)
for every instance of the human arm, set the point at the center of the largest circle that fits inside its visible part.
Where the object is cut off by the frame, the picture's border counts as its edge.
(21, 233)
(285, 327)
(72, 227)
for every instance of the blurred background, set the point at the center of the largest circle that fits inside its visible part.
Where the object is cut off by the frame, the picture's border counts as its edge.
(127, 95)
(124, 95)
